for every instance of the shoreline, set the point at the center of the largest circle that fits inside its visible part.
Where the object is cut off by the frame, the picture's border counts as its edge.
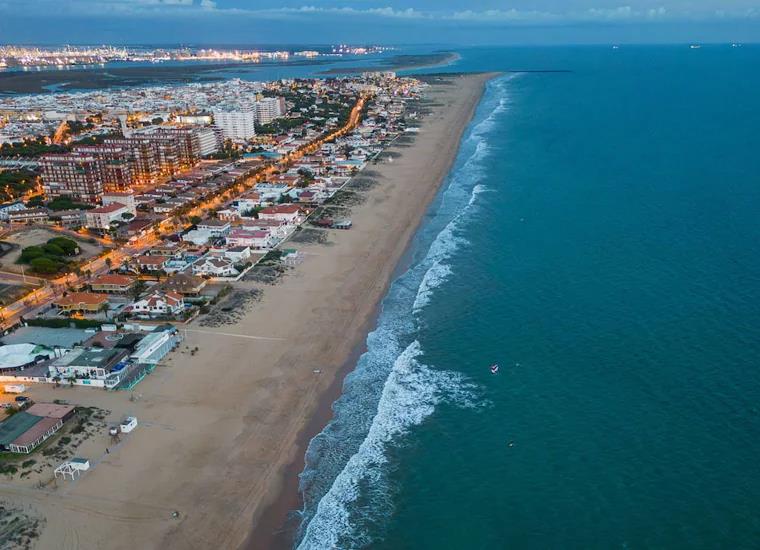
(224, 421)
(275, 528)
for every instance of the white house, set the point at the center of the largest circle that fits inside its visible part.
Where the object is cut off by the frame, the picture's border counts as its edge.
(216, 228)
(256, 240)
(159, 304)
(197, 237)
(279, 230)
(238, 254)
(289, 213)
(215, 267)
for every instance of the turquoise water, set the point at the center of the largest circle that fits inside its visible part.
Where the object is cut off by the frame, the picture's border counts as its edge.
(599, 237)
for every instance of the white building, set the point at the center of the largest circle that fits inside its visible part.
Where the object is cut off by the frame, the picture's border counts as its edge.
(159, 304)
(238, 125)
(209, 141)
(215, 267)
(6, 209)
(268, 109)
(101, 218)
(254, 239)
(125, 198)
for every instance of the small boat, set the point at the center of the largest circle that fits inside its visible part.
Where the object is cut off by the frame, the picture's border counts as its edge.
(494, 368)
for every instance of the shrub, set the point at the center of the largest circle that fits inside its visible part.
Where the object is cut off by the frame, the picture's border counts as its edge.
(68, 246)
(45, 265)
(30, 253)
(53, 249)
(63, 323)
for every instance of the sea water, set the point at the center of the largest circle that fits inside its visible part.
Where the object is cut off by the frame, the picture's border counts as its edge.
(599, 238)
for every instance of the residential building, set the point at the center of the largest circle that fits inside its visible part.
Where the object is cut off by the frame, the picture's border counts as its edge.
(112, 283)
(289, 213)
(101, 218)
(159, 304)
(236, 125)
(113, 163)
(81, 301)
(269, 108)
(209, 141)
(72, 174)
(215, 228)
(127, 198)
(186, 285)
(215, 267)
(257, 240)
(238, 254)
(151, 263)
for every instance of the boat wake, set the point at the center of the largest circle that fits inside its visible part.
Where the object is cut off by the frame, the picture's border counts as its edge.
(344, 483)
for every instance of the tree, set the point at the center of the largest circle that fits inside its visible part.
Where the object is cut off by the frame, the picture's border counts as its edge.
(127, 216)
(109, 262)
(137, 289)
(45, 265)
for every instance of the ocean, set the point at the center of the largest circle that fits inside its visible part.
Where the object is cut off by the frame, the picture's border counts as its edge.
(599, 238)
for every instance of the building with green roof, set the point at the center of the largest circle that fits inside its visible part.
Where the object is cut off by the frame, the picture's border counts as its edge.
(15, 426)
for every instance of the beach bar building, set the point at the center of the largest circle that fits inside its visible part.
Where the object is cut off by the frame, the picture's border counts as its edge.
(26, 430)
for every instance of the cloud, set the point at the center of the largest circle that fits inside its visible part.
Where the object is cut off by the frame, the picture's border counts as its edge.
(207, 8)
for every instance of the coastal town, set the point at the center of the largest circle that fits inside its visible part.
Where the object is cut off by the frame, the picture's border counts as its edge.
(35, 57)
(131, 216)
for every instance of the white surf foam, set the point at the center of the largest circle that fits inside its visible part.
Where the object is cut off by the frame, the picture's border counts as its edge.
(409, 396)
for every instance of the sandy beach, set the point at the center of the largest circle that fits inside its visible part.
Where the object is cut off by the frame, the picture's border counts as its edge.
(223, 429)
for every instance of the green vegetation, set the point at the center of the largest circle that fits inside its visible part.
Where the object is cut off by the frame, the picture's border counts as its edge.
(228, 151)
(50, 257)
(66, 203)
(14, 183)
(272, 258)
(279, 126)
(31, 148)
(95, 140)
(63, 323)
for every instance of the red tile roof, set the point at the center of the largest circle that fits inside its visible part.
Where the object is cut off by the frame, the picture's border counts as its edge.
(78, 298)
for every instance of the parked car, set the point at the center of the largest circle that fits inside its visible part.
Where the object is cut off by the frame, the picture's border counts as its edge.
(22, 399)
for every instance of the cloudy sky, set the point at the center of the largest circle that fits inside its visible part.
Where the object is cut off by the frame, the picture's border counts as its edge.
(386, 21)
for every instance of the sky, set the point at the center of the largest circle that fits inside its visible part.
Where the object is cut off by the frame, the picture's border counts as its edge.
(460, 22)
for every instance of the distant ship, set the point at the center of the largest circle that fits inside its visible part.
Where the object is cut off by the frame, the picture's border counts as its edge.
(615, 47)
(695, 46)
(735, 45)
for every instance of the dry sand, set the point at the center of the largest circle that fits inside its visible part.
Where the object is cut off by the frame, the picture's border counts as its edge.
(223, 430)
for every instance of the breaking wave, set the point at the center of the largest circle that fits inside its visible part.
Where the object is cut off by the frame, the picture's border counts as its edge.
(409, 396)
(391, 390)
